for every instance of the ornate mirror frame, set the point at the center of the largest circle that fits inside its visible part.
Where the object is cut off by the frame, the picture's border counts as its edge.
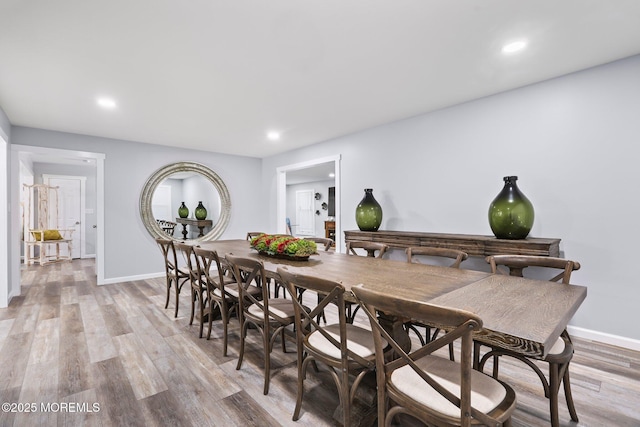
(146, 197)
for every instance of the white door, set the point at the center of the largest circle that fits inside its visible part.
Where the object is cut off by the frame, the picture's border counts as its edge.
(305, 219)
(70, 192)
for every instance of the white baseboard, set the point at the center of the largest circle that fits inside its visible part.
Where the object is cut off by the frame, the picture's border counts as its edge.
(605, 338)
(132, 278)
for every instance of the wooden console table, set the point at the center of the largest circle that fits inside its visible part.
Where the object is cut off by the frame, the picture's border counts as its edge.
(200, 223)
(330, 230)
(471, 244)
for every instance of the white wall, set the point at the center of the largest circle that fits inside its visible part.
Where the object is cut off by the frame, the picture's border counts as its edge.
(571, 142)
(127, 166)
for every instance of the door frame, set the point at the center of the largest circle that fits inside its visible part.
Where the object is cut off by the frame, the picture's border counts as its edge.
(83, 206)
(281, 195)
(14, 181)
(5, 228)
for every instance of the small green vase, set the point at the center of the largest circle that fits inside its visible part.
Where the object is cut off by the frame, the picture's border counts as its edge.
(201, 211)
(183, 211)
(368, 212)
(511, 213)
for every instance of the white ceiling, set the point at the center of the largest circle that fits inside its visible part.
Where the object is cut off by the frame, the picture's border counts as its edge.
(217, 75)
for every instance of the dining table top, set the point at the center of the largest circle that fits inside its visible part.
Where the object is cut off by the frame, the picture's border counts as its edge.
(517, 313)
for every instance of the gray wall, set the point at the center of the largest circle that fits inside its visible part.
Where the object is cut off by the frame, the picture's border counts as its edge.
(571, 142)
(129, 249)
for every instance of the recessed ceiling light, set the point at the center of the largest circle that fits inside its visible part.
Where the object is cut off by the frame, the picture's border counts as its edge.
(106, 103)
(273, 136)
(514, 47)
(332, 175)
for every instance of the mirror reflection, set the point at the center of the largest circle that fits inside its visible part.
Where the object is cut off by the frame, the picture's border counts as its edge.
(176, 200)
(185, 201)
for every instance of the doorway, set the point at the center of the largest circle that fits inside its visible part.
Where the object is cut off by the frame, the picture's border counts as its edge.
(283, 174)
(71, 206)
(51, 156)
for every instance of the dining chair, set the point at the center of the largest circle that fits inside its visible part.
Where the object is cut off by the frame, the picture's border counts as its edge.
(326, 243)
(221, 290)
(176, 275)
(438, 256)
(425, 385)
(252, 234)
(198, 287)
(561, 353)
(167, 226)
(270, 316)
(346, 349)
(370, 247)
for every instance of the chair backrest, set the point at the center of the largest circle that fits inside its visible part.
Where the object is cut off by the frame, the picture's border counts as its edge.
(460, 325)
(208, 264)
(169, 253)
(370, 247)
(189, 257)
(167, 226)
(517, 263)
(454, 254)
(329, 293)
(248, 272)
(252, 234)
(328, 243)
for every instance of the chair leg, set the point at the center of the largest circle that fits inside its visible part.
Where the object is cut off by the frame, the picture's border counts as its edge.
(177, 298)
(225, 332)
(296, 411)
(568, 395)
(267, 362)
(243, 335)
(201, 302)
(211, 306)
(554, 386)
(193, 306)
(166, 304)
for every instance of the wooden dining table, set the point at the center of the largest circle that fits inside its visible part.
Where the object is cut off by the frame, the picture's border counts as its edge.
(518, 314)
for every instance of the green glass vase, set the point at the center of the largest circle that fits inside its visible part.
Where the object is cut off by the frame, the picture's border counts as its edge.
(368, 212)
(201, 211)
(183, 211)
(511, 213)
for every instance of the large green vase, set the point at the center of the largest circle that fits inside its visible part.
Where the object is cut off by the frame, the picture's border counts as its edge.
(369, 212)
(201, 211)
(511, 213)
(183, 211)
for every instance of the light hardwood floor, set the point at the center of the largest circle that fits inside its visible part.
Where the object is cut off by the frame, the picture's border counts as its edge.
(68, 341)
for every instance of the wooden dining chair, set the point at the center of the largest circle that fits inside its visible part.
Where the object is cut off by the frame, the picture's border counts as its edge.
(326, 243)
(561, 353)
(221, 290)
(346, 349)
(252, 234)
(176, 275)
(438, 256)
(424, 385)
(270, 316)
(198, 287)
(370, 247)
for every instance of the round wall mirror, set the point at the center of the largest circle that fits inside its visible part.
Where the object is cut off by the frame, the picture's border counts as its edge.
(190, 185)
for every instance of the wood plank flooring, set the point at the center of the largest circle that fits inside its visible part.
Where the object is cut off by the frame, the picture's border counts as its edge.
(116, 356)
